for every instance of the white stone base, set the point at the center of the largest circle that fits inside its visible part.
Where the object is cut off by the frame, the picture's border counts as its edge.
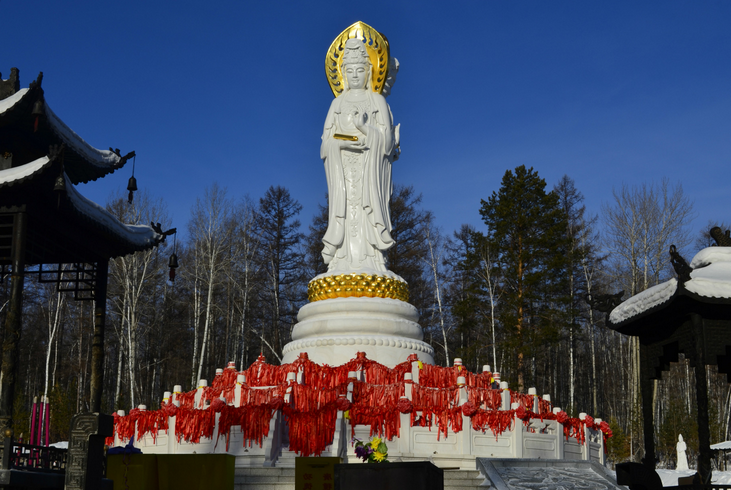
(332, 331)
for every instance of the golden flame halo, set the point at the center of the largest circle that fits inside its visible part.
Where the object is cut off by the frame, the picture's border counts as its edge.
(378, 51)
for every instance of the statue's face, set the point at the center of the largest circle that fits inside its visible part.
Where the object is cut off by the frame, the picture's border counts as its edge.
(356, 75)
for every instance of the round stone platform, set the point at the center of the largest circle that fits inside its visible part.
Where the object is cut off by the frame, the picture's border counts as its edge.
(332, 331)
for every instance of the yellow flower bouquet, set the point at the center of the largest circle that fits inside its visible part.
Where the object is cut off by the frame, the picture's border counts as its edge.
(375, 451)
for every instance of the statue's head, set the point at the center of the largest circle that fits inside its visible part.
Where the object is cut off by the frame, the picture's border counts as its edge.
(356, 65)
(680, 438)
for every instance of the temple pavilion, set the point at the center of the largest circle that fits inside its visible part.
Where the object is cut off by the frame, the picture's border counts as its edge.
(46, 223)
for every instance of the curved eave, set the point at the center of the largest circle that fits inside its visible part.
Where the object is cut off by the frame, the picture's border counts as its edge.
(93, 163)
(136, 238)
(82, 162)
(671, 313)
(8, 103)
(18, 175)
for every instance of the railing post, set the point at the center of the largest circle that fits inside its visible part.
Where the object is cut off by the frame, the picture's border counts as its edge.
(518, 433)
(504, 396)
(198, 402)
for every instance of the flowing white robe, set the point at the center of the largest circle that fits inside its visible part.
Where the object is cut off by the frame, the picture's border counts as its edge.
(359, 222)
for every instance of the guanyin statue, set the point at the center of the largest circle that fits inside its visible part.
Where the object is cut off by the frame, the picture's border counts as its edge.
(359, 143)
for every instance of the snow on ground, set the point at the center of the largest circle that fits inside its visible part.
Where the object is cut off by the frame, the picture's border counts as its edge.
(670, 477)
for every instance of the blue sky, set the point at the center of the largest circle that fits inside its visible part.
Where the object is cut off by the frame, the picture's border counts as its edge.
(235, 92)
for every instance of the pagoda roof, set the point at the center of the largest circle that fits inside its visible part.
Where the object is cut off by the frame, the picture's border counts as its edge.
(28, 136)
(64, 226)
(709, 285)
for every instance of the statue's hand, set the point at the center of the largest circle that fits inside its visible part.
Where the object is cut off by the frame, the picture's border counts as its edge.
(360, 121)
(351, 145)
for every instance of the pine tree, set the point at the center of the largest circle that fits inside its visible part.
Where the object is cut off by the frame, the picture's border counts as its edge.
(526, 230)
(281, 262)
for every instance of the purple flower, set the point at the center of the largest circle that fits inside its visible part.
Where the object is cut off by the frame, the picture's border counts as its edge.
(362, 452)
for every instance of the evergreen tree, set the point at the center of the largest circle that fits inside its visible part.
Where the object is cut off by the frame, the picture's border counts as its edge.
(281, 261)
(314, 262)
(526, 231)
(408, 256)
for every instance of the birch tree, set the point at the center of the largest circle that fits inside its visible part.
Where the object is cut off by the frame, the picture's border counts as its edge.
(132, 287)
(641, 223)
(434, 262)
(245, 270)
(210, 229)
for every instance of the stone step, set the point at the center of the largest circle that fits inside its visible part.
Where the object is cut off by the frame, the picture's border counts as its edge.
(264, 479)
(284, 472)
(264, 486)
(461, 474)
(283, 479)
(462, 480)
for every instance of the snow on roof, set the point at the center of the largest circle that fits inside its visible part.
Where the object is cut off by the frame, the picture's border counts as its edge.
(710, 278)
(711, 255)
(9, 102)
(101, 158)
(712, 281)
(15, 174)
(140, 235)
(721, 445)
(643, 301)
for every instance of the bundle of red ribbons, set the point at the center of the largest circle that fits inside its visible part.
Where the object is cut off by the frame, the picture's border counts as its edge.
(320, 393)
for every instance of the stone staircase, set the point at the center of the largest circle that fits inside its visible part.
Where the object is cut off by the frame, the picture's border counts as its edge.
(264, 479)
(283, 479)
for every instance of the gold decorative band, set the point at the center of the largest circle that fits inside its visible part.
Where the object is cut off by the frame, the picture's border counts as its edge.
(357, 286)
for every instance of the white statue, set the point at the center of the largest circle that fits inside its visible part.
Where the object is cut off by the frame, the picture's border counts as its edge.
(682, 458)
(359, 143)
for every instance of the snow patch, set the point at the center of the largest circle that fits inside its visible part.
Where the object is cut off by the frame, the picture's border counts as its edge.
(713, 281)
(101, 158)
(711, 255)
(10, 175)
(9, 102)
(140, 235)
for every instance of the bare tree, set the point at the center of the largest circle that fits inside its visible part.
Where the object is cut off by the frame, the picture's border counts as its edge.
(210, 229)
(132, 281)
(705, 240)
(641, 224)
(488, 274)
(245, 269)
(434, 262)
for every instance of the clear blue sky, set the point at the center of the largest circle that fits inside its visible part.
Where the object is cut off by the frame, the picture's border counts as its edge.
(235, 92)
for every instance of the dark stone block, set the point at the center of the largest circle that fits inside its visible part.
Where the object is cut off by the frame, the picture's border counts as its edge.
(418, 475)
(638, 477)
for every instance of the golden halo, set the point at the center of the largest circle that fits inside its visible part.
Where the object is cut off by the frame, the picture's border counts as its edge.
(378, 51)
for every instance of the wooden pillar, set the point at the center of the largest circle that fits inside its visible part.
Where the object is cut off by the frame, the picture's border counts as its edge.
(97, 346)
(13, 320)
(648, 422)
(701, 392)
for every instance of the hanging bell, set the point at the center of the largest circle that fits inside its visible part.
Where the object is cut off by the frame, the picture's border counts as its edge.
(37, 112)
(60, 184)
(173, 264)
(38, 108)
(131, 187)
